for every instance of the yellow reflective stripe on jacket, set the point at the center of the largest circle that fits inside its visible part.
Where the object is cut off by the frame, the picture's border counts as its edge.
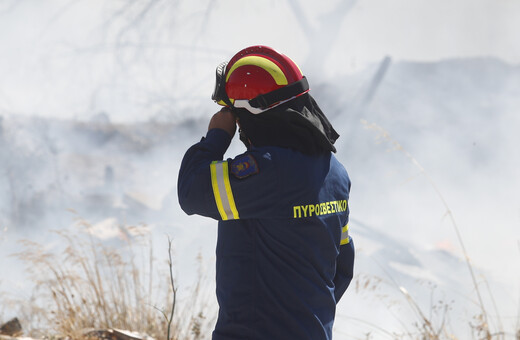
(344, 235)
(222, 190)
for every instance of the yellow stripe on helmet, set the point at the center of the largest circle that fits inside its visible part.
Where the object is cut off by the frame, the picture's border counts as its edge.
(273, 69)
(223, 103)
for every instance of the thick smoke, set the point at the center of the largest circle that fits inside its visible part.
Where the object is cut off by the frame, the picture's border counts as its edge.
(95, 118)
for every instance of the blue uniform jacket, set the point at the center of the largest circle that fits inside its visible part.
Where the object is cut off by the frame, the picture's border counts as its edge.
(284, 256)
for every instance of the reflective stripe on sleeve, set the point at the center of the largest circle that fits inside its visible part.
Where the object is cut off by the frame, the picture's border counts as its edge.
(222, 190)
(344, 235)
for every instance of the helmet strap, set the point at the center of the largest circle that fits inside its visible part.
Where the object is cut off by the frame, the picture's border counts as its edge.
(292, 90)
(243, 138)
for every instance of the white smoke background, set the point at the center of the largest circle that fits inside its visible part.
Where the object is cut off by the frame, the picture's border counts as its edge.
(100, 99)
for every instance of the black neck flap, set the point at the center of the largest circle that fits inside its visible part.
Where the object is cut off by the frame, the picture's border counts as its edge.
(298, 124)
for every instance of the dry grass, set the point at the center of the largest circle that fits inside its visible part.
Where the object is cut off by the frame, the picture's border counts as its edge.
(433, 321)
(91, 285)
(431, 324)
(425, 323)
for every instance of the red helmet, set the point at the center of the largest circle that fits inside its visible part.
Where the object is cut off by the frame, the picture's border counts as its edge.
(258, 78)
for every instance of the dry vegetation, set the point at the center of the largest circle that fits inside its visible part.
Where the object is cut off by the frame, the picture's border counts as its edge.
(89, 284)
(432, 323)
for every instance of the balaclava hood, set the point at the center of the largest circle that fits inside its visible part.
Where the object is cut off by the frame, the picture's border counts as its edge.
(298, 124)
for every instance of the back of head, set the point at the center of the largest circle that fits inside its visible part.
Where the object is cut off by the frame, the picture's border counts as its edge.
(269, 95)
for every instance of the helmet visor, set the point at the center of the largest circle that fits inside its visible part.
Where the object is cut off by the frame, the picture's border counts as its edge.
(219, 93)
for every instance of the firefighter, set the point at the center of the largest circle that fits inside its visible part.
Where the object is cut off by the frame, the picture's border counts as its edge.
(284, 257)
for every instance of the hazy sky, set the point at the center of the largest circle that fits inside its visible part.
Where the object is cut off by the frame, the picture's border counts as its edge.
(430, 30)
(405, 29)
(50, 49)
(408, 29)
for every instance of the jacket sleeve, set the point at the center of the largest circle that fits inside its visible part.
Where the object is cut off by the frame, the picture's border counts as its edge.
(344, 268)
(230, 189)
(194, 181)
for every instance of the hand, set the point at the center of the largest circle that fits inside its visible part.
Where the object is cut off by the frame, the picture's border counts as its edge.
(225, 120)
